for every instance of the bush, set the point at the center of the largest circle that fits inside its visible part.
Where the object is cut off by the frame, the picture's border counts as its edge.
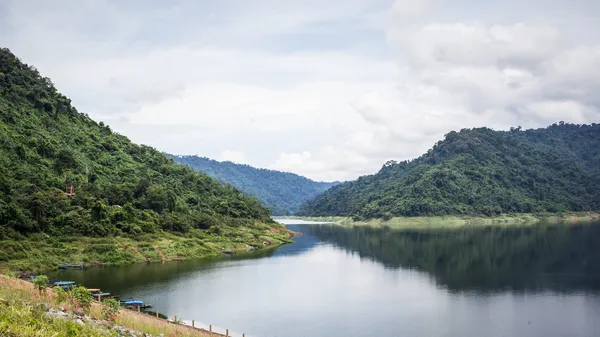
(61, 295)
(110, 309)
(41, 282)
(82, 298)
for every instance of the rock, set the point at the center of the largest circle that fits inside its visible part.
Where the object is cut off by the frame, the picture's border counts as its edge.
(63, 309)
(80, 322)
(105, 323)
(79, 312)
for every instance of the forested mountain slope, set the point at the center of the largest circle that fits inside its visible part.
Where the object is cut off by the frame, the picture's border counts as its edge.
(480, 171)
(281, 192)
(120, 187)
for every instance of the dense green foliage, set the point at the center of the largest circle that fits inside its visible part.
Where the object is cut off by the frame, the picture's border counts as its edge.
(82, 298)
(121, 187)
(480, 171)
(281, 192)
(110, 309)
(482, 258)
(41, 282)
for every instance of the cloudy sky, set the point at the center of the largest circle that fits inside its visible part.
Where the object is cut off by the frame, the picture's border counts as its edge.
(330, 89)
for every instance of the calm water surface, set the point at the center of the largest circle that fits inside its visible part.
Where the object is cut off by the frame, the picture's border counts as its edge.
(336, 281)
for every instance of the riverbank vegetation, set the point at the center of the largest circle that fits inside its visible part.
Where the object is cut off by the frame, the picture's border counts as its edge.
(479, 172)
(26, 311)
(39, 252)
(459, 221)
(72, 189)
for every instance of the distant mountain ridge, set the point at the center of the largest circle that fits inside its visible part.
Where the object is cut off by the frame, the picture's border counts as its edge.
(479, 172)
(281, 192)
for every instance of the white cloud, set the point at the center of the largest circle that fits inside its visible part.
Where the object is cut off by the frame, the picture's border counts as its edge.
(233, 156)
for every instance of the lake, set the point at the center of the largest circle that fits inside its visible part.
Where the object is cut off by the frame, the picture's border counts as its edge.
(541, 280)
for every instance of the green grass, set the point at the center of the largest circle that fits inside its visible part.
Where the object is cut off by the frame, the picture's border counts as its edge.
(437, 222)
(23, 314)
(39, 252)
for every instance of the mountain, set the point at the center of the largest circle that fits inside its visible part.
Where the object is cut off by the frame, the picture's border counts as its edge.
(479, 171)
(120, 187)
(281, 192)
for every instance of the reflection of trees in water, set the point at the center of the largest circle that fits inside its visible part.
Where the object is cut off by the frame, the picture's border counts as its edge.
(557, 257)
(122, 278)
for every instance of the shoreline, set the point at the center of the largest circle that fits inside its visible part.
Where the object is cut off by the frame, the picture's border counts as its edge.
(41, 253)
(19, 293)
(458, 221)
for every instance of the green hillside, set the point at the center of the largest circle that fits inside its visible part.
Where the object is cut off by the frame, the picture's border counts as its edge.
(121, 189)
(479, 172)
(281, 192)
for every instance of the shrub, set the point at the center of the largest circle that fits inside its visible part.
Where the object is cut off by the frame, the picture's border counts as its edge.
(82, 298)
(61, 295)
(110, 309)
(41, 282)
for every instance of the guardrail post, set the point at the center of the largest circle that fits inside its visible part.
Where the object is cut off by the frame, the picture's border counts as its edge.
(193, 326)
(227, 332)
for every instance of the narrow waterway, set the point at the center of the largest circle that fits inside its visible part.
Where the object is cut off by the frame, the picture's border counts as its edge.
(336, 281)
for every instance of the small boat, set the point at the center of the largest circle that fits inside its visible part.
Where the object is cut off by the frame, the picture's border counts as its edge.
(67, 285)
(227, 252)
(98, 293)
(251, 249)
(27, 277)
(132, 303)
(79, 265)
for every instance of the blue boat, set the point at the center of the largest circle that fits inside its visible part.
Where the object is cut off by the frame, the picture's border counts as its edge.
(132, 303)
(67, 285)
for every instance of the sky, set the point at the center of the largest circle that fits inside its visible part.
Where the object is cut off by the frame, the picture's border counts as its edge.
(329, 89)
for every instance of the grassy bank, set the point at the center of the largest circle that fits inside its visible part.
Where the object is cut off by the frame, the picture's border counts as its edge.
(435, 222)
(39, 252)
(24, 311)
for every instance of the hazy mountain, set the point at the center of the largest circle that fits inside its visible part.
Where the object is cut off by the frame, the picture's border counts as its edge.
(282, 192)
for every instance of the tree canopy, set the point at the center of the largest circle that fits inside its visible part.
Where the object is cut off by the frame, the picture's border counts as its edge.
(120, 187)
(479, 171)
(281, 192)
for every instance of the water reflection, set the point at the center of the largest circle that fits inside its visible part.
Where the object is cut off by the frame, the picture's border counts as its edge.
(120, 279)
(562, 258)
